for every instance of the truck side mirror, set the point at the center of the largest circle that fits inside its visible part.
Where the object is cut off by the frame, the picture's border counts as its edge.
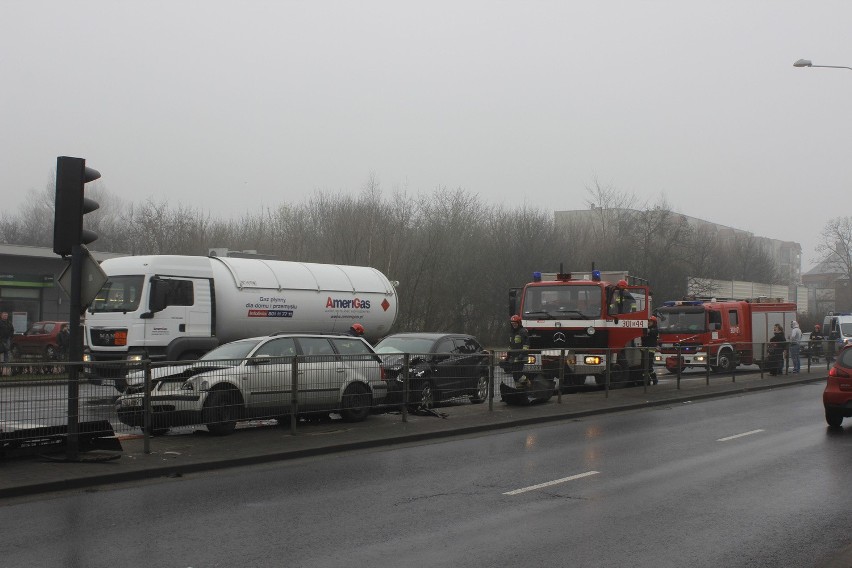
(156, 298)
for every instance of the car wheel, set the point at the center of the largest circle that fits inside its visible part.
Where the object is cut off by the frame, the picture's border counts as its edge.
(725, 361)
(481, 390)
(220, 413)
(833, 418)
(356, 402)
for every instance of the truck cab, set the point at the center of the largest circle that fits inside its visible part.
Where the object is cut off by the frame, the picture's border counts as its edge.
(595, 323)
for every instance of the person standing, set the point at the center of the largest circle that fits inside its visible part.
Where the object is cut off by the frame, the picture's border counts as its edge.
(777, 347)
(650, 341)
(795, 346)
(63, 339)
(519, 342)
(815, 347)
(7, 330)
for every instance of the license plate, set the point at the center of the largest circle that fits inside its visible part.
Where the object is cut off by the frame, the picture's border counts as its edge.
(131, 402)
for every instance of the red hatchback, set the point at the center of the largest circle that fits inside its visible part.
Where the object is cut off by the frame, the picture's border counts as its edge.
(39, 341)
(837, 396)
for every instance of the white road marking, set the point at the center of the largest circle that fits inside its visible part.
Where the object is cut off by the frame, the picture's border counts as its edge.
(549, 483)
(739, 435)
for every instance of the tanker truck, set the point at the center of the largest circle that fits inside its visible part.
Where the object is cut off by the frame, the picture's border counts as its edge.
(173, 308)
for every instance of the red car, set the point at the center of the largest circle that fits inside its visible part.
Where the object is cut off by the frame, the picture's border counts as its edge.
(837, 396)
(40, 341)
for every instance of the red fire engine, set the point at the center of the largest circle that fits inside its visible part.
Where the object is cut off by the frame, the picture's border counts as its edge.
(591, 320)
(722, 334)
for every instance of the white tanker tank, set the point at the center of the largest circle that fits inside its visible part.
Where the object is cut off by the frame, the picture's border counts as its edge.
(172, 308)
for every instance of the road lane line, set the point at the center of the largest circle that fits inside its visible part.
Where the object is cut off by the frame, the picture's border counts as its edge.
(549, 483)
(734, 437)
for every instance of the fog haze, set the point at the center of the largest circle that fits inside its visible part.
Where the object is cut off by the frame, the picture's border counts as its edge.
(233, 106)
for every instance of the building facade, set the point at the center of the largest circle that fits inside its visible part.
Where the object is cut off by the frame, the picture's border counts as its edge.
(29, 291)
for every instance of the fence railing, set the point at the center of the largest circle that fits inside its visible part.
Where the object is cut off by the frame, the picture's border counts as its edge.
(39, 409)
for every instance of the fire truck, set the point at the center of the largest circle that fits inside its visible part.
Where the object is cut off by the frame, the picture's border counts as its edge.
(719, 333)
(596, 323)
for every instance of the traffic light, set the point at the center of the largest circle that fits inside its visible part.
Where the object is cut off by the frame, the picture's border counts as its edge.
(71, 177)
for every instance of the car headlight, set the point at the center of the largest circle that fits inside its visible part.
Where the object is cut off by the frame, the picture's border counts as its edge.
(592, 360)
(134, 357)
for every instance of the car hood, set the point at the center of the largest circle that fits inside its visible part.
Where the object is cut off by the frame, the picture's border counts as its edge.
(186, 371)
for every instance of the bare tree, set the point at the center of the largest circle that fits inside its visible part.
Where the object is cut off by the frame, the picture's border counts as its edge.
(835, 248)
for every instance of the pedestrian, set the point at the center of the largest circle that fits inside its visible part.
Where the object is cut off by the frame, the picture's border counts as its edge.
(63, 339)
(356, 330)
(777, 347)
(795, 346)
(815, 344)
(650, 341)
(7, 330)
(519, 342)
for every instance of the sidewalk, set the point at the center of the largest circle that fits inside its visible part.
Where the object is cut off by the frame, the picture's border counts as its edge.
(177, 454)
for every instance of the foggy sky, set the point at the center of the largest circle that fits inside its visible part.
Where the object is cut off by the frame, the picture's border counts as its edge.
(231, 106)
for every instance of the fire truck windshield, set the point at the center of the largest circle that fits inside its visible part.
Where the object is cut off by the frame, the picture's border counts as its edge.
(563, 301)
(681, 321)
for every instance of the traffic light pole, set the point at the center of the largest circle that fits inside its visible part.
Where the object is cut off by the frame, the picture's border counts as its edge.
(75, 353)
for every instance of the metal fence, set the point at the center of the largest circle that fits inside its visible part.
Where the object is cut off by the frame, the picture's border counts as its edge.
(48, 404)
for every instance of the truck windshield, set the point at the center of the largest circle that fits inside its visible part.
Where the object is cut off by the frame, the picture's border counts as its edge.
(681, 321)
(563, 301)
(119, 294)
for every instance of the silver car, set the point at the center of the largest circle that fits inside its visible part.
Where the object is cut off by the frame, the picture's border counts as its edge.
(253, 379)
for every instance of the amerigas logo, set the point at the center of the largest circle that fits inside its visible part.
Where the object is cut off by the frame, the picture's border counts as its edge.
(356, 303)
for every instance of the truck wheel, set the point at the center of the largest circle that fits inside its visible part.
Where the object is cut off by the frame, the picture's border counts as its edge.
(220, 413)
(356, 403)
(481, 390)
(725, 361)
(833, 418)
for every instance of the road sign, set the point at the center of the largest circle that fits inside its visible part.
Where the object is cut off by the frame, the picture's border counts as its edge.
(93, 279)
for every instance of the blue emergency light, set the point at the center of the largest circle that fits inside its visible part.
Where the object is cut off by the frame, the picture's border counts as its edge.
(536, 276)
(596, 275)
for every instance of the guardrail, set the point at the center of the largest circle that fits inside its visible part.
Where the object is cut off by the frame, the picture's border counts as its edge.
(42, 411)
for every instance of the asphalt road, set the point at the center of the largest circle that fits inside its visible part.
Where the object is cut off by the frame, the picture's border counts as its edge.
(752, 480)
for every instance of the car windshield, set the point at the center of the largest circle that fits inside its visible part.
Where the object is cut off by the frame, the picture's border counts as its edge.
(680, 321)
(398, 344)
(119, 294)
(564, 301)
(233, 350)
(846, 329)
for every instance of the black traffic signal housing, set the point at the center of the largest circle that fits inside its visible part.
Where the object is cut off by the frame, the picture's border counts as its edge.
(71, 177)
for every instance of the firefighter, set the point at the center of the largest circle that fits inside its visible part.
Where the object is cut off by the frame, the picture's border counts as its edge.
(623, 301)
(650, 341)
(519, 342)
(356, 330)
(815, 343)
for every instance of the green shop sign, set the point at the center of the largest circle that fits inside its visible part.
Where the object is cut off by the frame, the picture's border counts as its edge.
(27, 280)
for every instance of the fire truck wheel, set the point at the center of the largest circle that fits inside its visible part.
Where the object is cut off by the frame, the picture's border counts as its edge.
(725, 361)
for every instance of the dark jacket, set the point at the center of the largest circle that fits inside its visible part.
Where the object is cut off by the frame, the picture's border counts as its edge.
(7, 330)
(519, 338)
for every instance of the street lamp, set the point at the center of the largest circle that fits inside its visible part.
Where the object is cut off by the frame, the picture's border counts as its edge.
(807, 63)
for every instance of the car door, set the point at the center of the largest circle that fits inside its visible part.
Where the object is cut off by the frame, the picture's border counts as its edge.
(267, 378)
(470, 359)
(447, 368)
(320, 375)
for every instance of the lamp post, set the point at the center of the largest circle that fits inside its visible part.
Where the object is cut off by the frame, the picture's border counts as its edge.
(807, 63)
